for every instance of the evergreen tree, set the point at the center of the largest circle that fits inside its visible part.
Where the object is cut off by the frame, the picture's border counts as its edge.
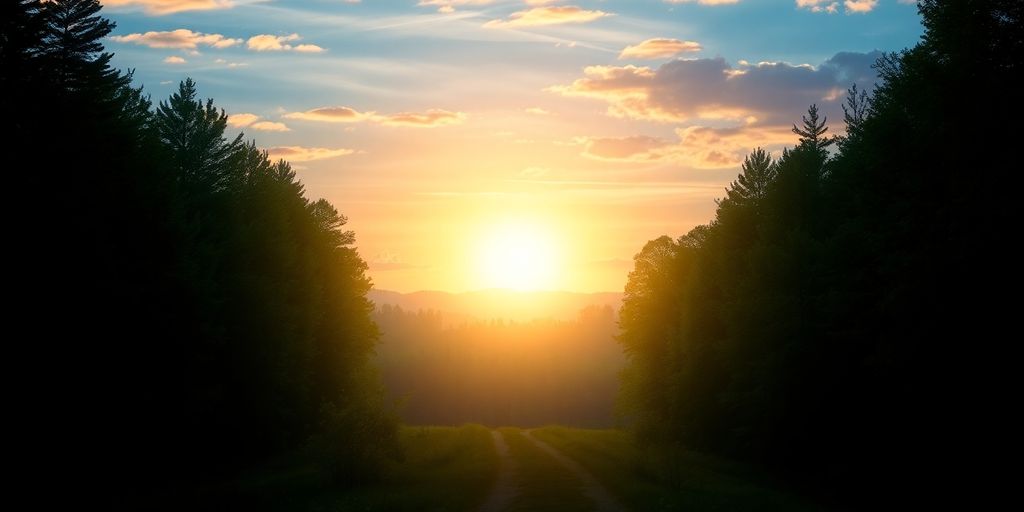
(71, 45)
(812, 135)
(757, 173)
(194, 135)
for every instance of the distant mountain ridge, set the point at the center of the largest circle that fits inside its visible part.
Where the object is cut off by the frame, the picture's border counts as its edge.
(509, 305)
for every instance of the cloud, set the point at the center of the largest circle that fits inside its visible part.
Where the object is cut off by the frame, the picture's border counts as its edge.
(697, 146)
(242, 120)
(448, 6)
(539, 16)
(826, 6)
(832, 6)
(659, 48)
(536, 111)
(174, 59)
(703, 2)
(331, 115)
(272, 43)
(161, 7)
(427, 119)
(270, 126)
(305, 154)
(684, 90)
(181, 38)
(859, 6)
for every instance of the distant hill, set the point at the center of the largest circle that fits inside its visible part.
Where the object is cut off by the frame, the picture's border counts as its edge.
(498, 304)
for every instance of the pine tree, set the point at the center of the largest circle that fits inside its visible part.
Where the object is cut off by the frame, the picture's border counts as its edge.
(194, 135)
(812, 134)
(758, 171)
(72, 47)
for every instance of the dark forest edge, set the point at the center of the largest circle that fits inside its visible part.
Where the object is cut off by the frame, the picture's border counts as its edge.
(209, 317)
(213, 316)
(822, 324)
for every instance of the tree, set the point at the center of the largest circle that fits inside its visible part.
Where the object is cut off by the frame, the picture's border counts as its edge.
(194, 135)
(812, 135)
(758, 172)
(856, 110)
(71, 44)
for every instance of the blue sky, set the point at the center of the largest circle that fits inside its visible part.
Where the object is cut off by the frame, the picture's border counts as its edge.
(602, 123)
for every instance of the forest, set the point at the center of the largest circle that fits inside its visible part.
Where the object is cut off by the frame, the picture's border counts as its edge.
(193, 314)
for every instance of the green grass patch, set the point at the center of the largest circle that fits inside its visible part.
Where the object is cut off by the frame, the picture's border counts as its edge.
(544, 484)
(444, 469)
(700, 482)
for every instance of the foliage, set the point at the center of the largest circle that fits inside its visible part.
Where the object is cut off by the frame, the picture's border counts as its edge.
(215, 315)
(811, 329)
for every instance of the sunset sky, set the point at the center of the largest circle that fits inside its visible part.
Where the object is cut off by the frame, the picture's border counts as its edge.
(461, 137)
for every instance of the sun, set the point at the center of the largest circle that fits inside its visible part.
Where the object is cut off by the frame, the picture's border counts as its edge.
(518, 256)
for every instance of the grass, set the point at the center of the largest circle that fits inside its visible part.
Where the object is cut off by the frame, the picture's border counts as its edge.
(444, 469)
(702, 482)
(544, 484)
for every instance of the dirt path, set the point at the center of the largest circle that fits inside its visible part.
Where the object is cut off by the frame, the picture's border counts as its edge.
(591, 487)
(505, 486)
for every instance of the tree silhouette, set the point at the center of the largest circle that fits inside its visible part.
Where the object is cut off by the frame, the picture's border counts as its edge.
(757, 174)
(194, 135)
(812, 134)
(71, 43)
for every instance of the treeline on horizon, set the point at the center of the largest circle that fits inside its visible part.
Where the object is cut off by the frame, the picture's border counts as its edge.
(825, 323)
(500, 373)
(209, 314)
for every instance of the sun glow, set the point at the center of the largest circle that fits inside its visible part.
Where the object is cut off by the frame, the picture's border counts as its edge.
(518, 256)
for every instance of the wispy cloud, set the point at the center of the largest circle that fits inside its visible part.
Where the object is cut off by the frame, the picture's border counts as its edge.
(540, 16)
(305, 154)
(174, 59)
(427, 119)
(181, 38)
(659, 48)
(242, 120)
(161, 7)
(448, 6)
(703, 2)
(253, 121)
(332, 115)
(272, 43)
(270, 126)
(430, 118)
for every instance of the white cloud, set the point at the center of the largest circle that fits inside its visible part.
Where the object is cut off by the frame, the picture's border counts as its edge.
(272, 43)
(860, 6)
(174, 59)
(181, 38)
(703, 2)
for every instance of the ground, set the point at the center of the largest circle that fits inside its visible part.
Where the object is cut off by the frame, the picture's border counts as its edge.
(473, 468)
